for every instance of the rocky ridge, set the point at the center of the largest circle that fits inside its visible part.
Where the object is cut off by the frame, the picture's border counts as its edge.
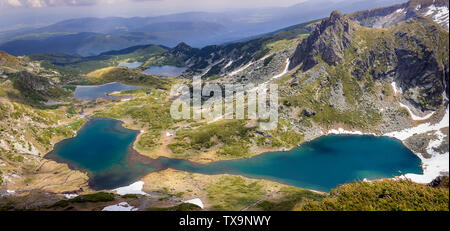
(437, 10)
(414, 54)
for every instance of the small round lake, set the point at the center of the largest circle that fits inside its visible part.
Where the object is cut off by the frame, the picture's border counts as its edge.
(104, 149)
(100, 91)
(169, 71)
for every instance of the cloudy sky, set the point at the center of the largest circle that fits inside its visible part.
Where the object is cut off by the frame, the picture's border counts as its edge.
(22, 13)
(174, 5)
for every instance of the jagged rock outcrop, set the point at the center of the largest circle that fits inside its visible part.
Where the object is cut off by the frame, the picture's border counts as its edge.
(413, 53)
(328, 41)
(183, 52)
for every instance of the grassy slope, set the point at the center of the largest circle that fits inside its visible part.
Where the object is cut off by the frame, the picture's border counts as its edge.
(360, 114)
(26, 134)
(125, 75)
(385, 195)
(9, 63)
(71, 66)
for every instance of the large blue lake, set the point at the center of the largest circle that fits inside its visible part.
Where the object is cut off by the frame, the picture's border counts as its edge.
(103, 148)
(100, 91)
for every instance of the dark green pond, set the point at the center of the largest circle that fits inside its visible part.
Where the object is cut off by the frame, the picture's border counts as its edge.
(103, 148)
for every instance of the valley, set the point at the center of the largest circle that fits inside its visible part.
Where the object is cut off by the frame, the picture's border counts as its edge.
(367, 90)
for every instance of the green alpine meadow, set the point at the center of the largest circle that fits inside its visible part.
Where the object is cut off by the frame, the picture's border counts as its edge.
(92, 96)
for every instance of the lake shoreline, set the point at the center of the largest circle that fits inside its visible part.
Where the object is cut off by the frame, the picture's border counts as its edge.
(134, 149)
(163, 163)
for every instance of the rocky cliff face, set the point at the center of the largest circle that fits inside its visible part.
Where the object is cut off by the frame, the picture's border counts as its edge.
(421, 68)
(414, 54)
(328, 41)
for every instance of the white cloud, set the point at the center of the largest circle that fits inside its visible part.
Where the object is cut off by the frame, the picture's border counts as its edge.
(159, 3)
(15, 3)
(49, 3)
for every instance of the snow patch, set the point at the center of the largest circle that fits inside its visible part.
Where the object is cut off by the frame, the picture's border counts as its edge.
(400, 11)
(420, 129)
(341, 131)
(196, 201)
(241, 69)
(135, 188)
(432, 168)
(228, 64)
(396, 90)
(285, 71)
(70, 196)
(438, 163)
(414, 117)
(435, 143)
(122, 206)
(438, 14)
(246, 66)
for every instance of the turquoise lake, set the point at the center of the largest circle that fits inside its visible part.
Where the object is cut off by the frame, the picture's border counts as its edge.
(100, 91)
(170, 71)
(103, 148)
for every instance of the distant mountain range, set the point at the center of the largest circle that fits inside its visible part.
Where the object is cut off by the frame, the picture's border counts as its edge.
(92, 36)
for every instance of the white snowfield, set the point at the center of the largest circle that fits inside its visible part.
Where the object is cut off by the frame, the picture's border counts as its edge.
(433, 166)
(196, 201)
(439, 14)
(122, 206)
(396, 90)
(135, 188)
(341, 131)
(421, 129)
(438, 163)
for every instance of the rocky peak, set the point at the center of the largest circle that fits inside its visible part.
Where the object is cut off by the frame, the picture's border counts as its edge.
(181, 47)
(183, 51)
(328, 41)
(336, 16)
